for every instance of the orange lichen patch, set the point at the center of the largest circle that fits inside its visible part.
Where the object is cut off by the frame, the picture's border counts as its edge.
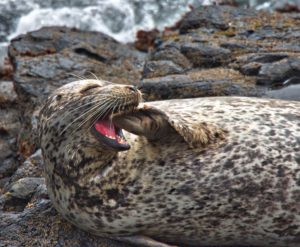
(31, 53)
(30, 205)
(145, 39)
(6, 71)
(288, 7)
(231, 32)
(26, 148)
(168, 34)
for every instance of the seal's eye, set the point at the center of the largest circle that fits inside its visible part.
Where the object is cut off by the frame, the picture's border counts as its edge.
(89, 87)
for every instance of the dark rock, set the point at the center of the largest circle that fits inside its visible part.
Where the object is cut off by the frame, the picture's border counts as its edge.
(3, 182)
(261, 57)
(180, 86)
(226, 2)
(9, 122)
(162, 87)
(250, 64)
(40, 225)
(233, 46)
(279, 72)
(32, 167)
(161, 68)
(8, 94)
(41, 192)
(9, 129)
(201, 55)
(251, 69)
(207, 17)
(25, 187)
(267, 57)
(168, 44)
(291, 92)
(8, 166)
(213, 17)
(173, 54)
(57, 52)
(5, 150)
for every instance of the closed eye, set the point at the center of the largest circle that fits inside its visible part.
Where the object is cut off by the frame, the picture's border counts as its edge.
(89, 87)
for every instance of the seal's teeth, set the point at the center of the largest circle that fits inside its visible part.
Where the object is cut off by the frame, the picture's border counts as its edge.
(121, 140)
(110, 137)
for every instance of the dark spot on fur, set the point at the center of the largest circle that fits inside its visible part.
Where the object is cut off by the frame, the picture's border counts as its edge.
(161, 163)
(228, 148)
(291, 117)
(280, 171)
(47, 146)
(171, 191)
(272, 132)
(296, 195)
(184, 190)
(228, 164)
(297, 158)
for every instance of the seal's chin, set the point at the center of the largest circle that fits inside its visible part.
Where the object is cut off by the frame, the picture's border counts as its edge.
(109, 134)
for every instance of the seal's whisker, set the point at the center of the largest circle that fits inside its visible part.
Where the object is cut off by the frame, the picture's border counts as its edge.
(95, 117)
(89, 103)
(99, 99)
(94, 75)
(105, 111)
(115, 106)
(82, 115)
(75, 109)
(72, 110)
(119, 108)
(78, 76)
(100, 106)
(95, 114)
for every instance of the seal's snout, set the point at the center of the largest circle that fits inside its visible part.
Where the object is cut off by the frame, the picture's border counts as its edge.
(119, 99)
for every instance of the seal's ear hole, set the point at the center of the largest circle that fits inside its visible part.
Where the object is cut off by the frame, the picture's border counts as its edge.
(58, 97)
(88, 88)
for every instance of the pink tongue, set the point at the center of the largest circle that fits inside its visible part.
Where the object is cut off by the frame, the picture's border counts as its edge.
(106, 127)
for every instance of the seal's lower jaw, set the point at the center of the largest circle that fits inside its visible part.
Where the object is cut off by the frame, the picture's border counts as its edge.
(109, 134)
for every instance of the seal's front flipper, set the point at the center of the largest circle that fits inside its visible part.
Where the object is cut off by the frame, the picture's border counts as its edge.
(143, 241)
(156, 124)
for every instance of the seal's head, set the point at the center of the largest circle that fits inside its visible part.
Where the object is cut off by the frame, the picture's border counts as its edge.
(85, 108)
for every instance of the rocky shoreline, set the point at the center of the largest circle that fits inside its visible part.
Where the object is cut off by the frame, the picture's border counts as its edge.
(214, 51)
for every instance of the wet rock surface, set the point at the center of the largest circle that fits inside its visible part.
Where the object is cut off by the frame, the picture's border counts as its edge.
(47, 58)
(279, 72)
(8, 94)
(40, 225)
(215, 51)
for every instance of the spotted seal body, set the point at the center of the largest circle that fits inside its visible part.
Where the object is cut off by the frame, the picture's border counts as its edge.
(205, 171)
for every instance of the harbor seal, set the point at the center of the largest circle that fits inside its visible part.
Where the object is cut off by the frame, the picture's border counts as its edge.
(204, 171)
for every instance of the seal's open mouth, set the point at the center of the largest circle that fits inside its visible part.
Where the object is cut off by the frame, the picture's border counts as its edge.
(108, 133)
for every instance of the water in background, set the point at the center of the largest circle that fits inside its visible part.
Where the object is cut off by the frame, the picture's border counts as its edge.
(117, 18)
